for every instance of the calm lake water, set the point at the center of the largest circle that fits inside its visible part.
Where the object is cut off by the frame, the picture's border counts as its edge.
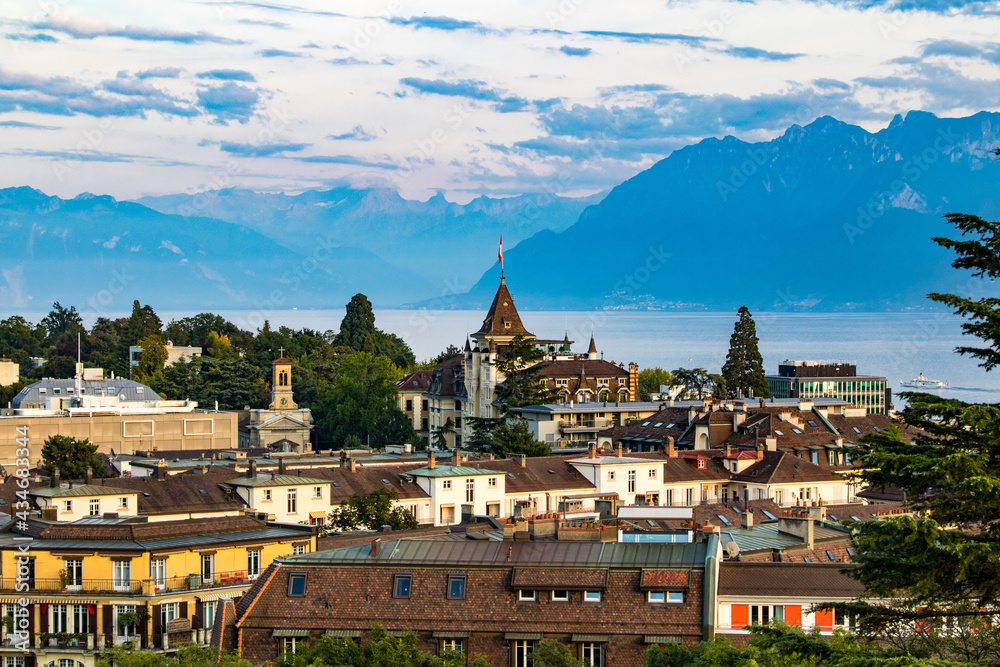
(895, 345)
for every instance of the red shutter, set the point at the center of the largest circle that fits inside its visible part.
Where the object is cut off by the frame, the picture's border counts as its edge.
(741, 616)
(793, 615)
(824, 619)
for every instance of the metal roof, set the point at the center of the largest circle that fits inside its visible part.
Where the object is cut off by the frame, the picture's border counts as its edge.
(482, 552)
(208, 539)
(32, 397)
(66, 490)
(450, 471)
(759, 537)
(277, 480)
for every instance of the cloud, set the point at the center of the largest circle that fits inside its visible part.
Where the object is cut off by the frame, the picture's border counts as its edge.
(291, 9)
(278, 53)
(471, 89)
(84, 28)
(260, 150)
(89, 155)
(34, 37)
(159, 73)
(760, 54)
(351, 60)
(230, 101)
(346, 159)
(270, 24)
(227, 75)
(649, 37)
(27, 126)
(942, 88)
(357, 133)
(442, 23)
(64, 97)
(948, 47)
(575, 51)
(171, 247)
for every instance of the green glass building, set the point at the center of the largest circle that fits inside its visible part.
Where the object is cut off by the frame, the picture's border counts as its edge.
(831, 379)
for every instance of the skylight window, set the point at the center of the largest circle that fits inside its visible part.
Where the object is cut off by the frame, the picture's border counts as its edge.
(855, 518)
(850, 552)
(878, 430)
(807, 559)
(797, 431)
(670, 425)
(769, 515)
(385, 481)
(777, 432)
(829, 554)
(645, 423)
(833, 516)
(723, 519)
(856, 430)
(811, 423)
(203, 492)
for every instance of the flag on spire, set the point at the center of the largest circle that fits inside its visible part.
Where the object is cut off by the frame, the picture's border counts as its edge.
(500, 254)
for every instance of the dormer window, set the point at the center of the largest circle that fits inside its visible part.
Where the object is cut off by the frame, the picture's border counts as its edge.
(701, 463)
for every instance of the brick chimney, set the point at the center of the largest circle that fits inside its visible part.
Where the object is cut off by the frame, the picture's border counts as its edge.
(281, 466)
(252, 469)
(633, 381)
(354, 464)
(760, 452)
(746, 520)
(619, 450)
(161, 470)
(592, 452)
(671, 448)
(375, 544)
(54, 479)
(522, 460)
(430, 459)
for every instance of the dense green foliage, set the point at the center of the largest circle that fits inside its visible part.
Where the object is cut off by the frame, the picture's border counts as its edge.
(71, 457)
(520, 364)
(696, 382)
(743, 371)
(650, 381)
(372, 510)
(379, 650)
(510, 437)
(188, 656)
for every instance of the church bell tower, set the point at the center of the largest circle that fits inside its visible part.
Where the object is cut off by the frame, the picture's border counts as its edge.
(281, 384)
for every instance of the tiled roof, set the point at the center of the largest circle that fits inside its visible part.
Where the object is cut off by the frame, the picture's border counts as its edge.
(782, 467)
(787, 580)
(558, 578)
(84, 530)
(447, 378)
(665, 579)
(183, 493)
(344, 483)
(539, 474)
(572, 368)
(416, 381)
(502, 318)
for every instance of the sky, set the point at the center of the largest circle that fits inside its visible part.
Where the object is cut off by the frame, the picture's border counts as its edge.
(463, 97)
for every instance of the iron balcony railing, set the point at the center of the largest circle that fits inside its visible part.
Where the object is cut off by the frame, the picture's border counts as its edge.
(151, 586)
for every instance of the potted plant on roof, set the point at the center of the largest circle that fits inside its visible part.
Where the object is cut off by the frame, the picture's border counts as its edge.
(65, 579)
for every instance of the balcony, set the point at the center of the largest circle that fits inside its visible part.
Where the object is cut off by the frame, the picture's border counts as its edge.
(113, 587)
(584, 425)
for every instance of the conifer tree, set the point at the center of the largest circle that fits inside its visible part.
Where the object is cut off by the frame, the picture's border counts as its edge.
(744, 367)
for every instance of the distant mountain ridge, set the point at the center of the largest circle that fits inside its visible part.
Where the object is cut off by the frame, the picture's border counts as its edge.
(825, 217)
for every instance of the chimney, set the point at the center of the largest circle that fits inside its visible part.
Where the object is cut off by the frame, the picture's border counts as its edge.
(670, 401)
(430, 459)
(281, 466)
(354, 465)
(728, 450)
(252, 469)
(760, 452)
(775, 553)
(771, 444)
(671, 449)
(592, 452)
(88, 477)
(54, 479)
(523, 460)
(619, 450)
(746, 520)
(375, 547)
(161, 470)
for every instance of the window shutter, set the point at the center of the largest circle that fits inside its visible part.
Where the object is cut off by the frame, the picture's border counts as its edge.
(157, 620)
(824, 619)
(793, 615)
(741, 616)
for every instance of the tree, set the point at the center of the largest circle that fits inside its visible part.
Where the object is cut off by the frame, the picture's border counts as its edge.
(520, 364)
(744, 367)
(357, 329)
(551, 653)
(363, 402)
(448, 353)
(942, 564)
(719, 389)
(650, 381)
(441, 435)
(371, 510)
(71, 457)
(234, 383)
(220, 347)
(61, 323)
(695, 381)
(513, 437)
(191, 655)
(152, 359)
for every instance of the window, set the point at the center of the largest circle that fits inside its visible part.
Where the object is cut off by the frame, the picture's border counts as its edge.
(779, 496)
(158, 572)
(526, 596)
(764, 614)
(470, 490)
(675, 596)
(652, 473)
(522, 649)
(592, 654)
(492, 482)
(401, 585)
(267, 494)
(298, 549)
(293, 504)
(689, 496)
(446, 484)
(296, 584)
(207, 614)
(207, 568)
(317, 492)
(592, 596)
(253, 562)
(67, 506)
(124, 631)
(814, 457)
(701, 463)
(831, 457)
(74, 570)
(95, 507)
(122, 575)
(291, 644)
(611, 475)
(123, 503)
(456, 587)
(452, 645)
(13, 661)
(169, 611)
(409, 405)
(560, 596)
(631, 481)
(656, 597)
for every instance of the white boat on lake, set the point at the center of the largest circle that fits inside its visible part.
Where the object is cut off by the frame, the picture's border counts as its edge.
(920, 382)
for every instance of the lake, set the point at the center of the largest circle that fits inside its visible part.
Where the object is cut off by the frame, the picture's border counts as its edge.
(895, 345)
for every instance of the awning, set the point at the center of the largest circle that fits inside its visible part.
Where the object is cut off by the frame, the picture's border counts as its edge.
(662, 639)
(343, 633)
(523, 636)
(317, 515)
(290, 632)
(450, 634)
(597, 639)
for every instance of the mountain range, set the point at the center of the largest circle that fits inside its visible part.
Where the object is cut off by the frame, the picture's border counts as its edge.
(825, 217)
